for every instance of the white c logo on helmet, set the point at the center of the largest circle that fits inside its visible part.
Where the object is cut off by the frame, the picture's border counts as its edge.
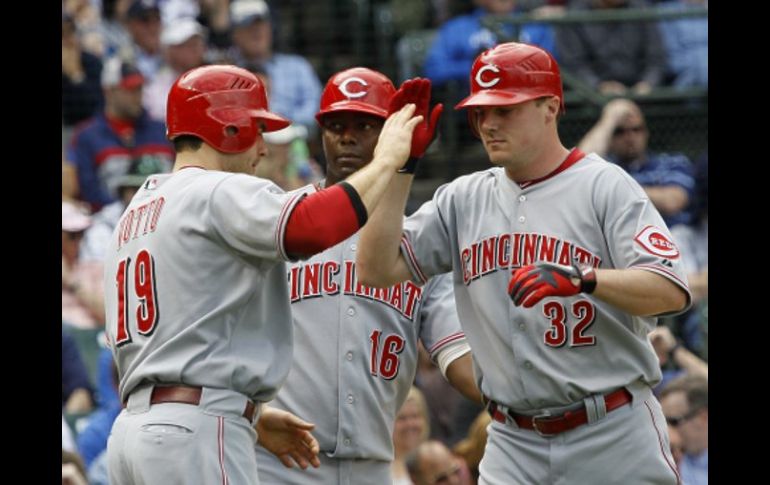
(344, 87)
(490, 83)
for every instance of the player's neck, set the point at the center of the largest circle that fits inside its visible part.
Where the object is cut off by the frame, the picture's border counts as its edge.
(539, 165)
(205, 157)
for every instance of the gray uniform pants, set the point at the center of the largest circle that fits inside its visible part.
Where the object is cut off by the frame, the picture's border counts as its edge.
(333, 471)
(626, 446)
(183, 444)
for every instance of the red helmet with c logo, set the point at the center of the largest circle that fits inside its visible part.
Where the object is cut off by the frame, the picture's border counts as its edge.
(359, 89)
(512, 73)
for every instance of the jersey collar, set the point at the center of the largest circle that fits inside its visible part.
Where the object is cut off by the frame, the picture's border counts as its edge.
(574, 156)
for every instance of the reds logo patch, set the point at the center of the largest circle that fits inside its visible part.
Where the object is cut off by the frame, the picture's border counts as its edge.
(654, 241)
(492, 80)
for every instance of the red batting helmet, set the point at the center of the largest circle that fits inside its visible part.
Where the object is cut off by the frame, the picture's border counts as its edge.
(222, 105)
(358, 89)
(512, 73)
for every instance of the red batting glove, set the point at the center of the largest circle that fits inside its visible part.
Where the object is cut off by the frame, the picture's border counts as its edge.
(530, 284)
(417, 91)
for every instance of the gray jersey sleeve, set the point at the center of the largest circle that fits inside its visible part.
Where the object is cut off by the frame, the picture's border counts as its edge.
(431, 226)
(440, 324)
(635, 232)
(250, 214)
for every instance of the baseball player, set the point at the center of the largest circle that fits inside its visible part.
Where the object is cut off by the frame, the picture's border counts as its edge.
(561, 344)
(355, 349)
(197, 298)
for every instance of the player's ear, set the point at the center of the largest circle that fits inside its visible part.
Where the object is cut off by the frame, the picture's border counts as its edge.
(552, 107)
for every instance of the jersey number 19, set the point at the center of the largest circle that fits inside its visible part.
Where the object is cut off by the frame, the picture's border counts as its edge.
(144, 287)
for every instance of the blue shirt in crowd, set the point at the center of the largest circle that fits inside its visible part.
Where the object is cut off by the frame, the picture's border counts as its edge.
(462, 39)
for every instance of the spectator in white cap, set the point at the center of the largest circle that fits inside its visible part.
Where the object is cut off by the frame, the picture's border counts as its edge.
(288, 161)
(82, 296)
(295, 88)
(184, 47)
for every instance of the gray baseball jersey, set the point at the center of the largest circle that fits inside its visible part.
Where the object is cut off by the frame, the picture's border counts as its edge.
(562, 349)
(195, 289)
(355, 355)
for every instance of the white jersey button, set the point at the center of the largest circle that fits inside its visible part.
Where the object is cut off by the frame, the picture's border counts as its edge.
(522, 198)
(351, 311)
(353, 247)
(349, 356)
(528, 365)
(522, 219)
(521, 326)
(346, 442)
(350, 399)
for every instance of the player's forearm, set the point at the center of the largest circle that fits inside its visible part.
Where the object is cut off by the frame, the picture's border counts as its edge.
(371, 182)
(460, 375)
(638, 292)
(378, 261)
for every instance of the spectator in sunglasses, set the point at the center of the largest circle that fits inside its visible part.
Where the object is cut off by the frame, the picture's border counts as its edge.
(685, 405)
(621, 136)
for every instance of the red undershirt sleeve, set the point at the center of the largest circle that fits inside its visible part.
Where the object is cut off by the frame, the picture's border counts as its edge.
(324, 219)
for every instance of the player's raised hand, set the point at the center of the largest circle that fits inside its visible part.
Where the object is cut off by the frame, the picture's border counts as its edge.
(287, 437)
(418, 92)
(530, 284)
(394, 143)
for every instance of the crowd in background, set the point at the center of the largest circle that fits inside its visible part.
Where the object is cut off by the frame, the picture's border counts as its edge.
(120, 58)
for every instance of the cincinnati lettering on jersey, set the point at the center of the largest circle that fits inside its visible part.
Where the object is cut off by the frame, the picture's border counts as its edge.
(508, 251)
(321, 279)
(139, 220)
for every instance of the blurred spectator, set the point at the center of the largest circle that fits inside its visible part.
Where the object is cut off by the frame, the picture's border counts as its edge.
(67, 440)
(432, 463)
(675, 441)
(92, 441)
(295, 89)
(184, 47)
(76, 390)
(82, 292)
(114, 36)
(72, 471)
(144, 27)
(103, 148)
(675, 359)
(471, 448)
(288, 162)
(87, 19)
(461, 39)
(441, 398)
(409, 15)
(687, 44)
(612, 56)
(412, 427)
(685, 403)
(98, 235)
(693, 242)
(81, 71)
(69, 180)
(621, 137)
